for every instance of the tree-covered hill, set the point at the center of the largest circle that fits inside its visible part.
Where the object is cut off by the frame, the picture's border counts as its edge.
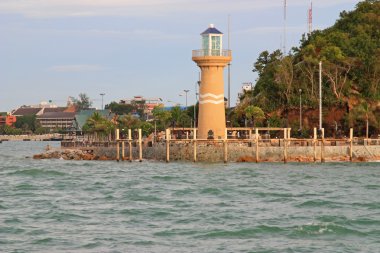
(350, 56)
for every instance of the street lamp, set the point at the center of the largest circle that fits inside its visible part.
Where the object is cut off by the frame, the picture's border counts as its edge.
(186, 91)
(102, 94)
(300, 91)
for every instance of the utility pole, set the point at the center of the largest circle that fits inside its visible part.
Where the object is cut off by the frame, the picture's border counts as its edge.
(320, 95)
(102, 94)
(284, 46)
(300, 91)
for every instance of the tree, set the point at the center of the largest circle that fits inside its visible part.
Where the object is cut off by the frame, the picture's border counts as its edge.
(162, 115)
(98, 126)
(255, 114)
(83, 102)
(27, 123)
(120, 109)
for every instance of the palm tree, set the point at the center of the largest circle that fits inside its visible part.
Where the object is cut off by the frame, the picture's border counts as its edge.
(255, 113)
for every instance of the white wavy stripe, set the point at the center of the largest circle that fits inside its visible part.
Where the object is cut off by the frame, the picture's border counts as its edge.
(207, 101)
(211, 95)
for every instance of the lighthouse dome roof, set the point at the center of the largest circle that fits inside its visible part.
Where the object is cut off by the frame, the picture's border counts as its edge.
(211, 30)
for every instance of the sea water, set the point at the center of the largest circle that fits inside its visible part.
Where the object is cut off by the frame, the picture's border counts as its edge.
(105, 206)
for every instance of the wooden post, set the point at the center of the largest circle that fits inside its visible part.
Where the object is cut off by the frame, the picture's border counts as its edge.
(117, 145)
(315, 144)
(167, 145)
(140, 145)
(117, 133)
(257, 144)
(195, 144)
(187, 135)
(225, 152)
(323, 145)
(122, 150)
(130, 145)
(117, 150)
(351, 142)
(285, 147)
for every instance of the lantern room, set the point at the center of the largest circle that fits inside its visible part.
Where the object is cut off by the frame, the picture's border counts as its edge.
(212, 41)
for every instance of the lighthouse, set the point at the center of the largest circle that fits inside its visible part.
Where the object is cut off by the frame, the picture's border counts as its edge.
(211, 59)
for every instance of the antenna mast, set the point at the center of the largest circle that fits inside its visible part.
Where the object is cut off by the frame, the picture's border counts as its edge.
(310, 18)
(284, 46)
(229, 67)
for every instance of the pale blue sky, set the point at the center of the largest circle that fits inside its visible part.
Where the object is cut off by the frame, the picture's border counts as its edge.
(52, 49)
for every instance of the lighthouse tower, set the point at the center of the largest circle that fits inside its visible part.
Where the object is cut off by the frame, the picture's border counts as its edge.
(211, 59)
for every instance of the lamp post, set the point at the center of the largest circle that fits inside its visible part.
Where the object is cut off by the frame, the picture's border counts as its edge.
(300, 91)
(102, 94)
(186, 91)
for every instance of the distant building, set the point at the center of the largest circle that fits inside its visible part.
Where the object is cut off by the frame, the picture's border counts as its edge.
(56, 120)
(48, 115)
(142, 103)
(244, 89)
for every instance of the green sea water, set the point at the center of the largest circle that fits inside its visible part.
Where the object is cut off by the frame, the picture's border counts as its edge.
(91, 206)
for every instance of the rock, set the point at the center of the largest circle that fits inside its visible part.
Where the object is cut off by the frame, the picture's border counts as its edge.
(87, 157)
(245, 159)
(38, 156)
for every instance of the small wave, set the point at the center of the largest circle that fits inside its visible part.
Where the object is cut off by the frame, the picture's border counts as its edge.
(165, 178)
(37, 173)
(212, 191)
(243, 233)
(11, 230)
(175, 232)
(325, 228)
(318, 203)
(43, 241)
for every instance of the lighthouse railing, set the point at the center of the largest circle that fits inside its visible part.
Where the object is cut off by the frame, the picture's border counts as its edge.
(211, 52)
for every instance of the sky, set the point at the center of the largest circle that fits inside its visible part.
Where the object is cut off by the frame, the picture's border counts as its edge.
(53, 49)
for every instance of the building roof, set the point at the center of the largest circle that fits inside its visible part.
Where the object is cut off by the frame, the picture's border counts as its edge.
(57, 115)
(26, 111)
(56, 109)
(211, 30)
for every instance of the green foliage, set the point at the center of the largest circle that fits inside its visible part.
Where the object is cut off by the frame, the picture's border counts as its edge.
(255, 113)
(7, 130)
(27, 123)
(83, 102)
(162, 116)
(120, 109)
(99, 127)
(350, 56)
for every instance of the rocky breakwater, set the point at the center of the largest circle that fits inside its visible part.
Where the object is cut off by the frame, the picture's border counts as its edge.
(72, 154)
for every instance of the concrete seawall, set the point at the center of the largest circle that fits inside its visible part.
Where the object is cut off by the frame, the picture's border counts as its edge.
(244, 152)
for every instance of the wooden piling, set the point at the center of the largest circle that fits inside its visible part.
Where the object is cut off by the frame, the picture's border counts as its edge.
(195, 144)
(257, 144)
(130, 145)
(167, 145)
(315, 144)
(285, 146)
(351, 142)
(122, 150)
(117, 151)
(323, 145)
(140, 145)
